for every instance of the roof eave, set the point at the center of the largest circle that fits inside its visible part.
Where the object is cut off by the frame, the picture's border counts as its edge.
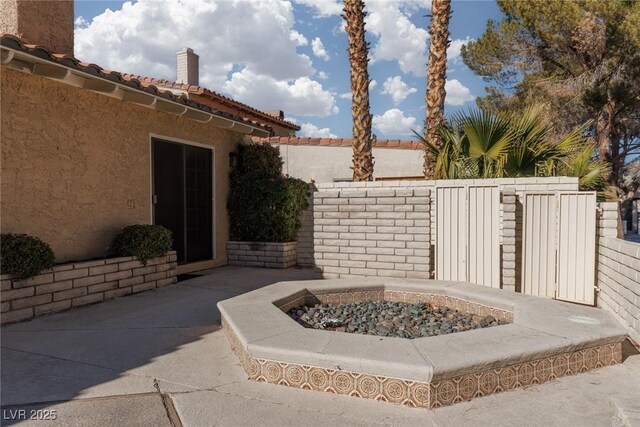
(146, 97)
(264, 116)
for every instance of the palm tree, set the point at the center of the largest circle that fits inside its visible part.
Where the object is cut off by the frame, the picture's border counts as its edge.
(472, 146)
(358, 58)
(484, 145)
(436, 78)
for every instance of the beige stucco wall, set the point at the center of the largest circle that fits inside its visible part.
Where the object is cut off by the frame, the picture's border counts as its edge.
(71, 159)
(322, 163)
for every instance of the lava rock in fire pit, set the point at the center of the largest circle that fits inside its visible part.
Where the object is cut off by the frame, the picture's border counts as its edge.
(388, 318)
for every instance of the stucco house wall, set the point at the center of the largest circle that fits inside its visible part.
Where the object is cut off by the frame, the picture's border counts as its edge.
(329, 163)
(76, 165)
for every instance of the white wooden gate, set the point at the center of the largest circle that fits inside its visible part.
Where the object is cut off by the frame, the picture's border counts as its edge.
(539, 244)
(577, 247)
(468, 234)
(558, 246)
(451, 232)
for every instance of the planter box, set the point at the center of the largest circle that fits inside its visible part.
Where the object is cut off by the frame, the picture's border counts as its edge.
(75, 284)
(263, 254)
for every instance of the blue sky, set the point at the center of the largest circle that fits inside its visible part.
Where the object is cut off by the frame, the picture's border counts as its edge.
(288, 54)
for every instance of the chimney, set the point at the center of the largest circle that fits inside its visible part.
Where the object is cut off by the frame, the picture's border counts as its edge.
(188, 67)
(45, 23)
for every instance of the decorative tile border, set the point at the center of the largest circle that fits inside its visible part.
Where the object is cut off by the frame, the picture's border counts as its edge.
(467, 387)
(420, 394)
(462, 305)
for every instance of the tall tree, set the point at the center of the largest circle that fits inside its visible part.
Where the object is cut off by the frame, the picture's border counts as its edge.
(581, 58)
(436, 79)
(358, 58)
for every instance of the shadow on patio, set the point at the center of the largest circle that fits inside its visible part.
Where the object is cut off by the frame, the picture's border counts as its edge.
(157, 341)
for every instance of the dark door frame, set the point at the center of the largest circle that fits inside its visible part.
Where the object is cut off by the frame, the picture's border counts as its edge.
(156, 137)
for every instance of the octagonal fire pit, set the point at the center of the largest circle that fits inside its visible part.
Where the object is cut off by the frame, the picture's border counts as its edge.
(413, 358)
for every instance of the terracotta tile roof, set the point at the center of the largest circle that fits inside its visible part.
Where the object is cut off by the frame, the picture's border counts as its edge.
(225, 100)
(12, 42)
(338, 142)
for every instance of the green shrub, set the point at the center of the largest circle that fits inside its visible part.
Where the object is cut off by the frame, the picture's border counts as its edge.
(143, 241)
(24, 256)
(267, 210)
(263, 205)
(258, 161)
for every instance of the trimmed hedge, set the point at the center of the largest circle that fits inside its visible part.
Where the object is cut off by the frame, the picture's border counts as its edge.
(23, 256)
(263, 205)
(267, 210)
(143, 241)
(258, 161)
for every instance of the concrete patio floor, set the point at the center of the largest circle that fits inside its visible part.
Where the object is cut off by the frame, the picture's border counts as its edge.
(159, 359)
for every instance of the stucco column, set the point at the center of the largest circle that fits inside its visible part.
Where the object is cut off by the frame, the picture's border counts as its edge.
(509, 239)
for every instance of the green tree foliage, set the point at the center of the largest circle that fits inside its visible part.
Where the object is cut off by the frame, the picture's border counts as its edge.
(263, 205)
(578, 58)
(520, 144)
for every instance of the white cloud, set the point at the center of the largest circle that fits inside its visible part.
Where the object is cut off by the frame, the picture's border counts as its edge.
(323, 8)
(80, 22)
(143, 37)
(453, 52)
(299, 39)
(302, 97)
(398, 39)
(457, 93)
(311, 130)
(322, 75)
(256, 62)
(394, 122)
(372, 84)
(318, 49)
(397, 89)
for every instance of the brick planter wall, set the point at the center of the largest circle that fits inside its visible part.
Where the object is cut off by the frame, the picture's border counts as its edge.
(262, 254)
(618, 272)
(76, 284)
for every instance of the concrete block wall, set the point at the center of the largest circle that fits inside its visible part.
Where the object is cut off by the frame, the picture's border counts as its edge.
(618, 272)
(262, 254)
(521, 185)
(76, 284)
(380, 231)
